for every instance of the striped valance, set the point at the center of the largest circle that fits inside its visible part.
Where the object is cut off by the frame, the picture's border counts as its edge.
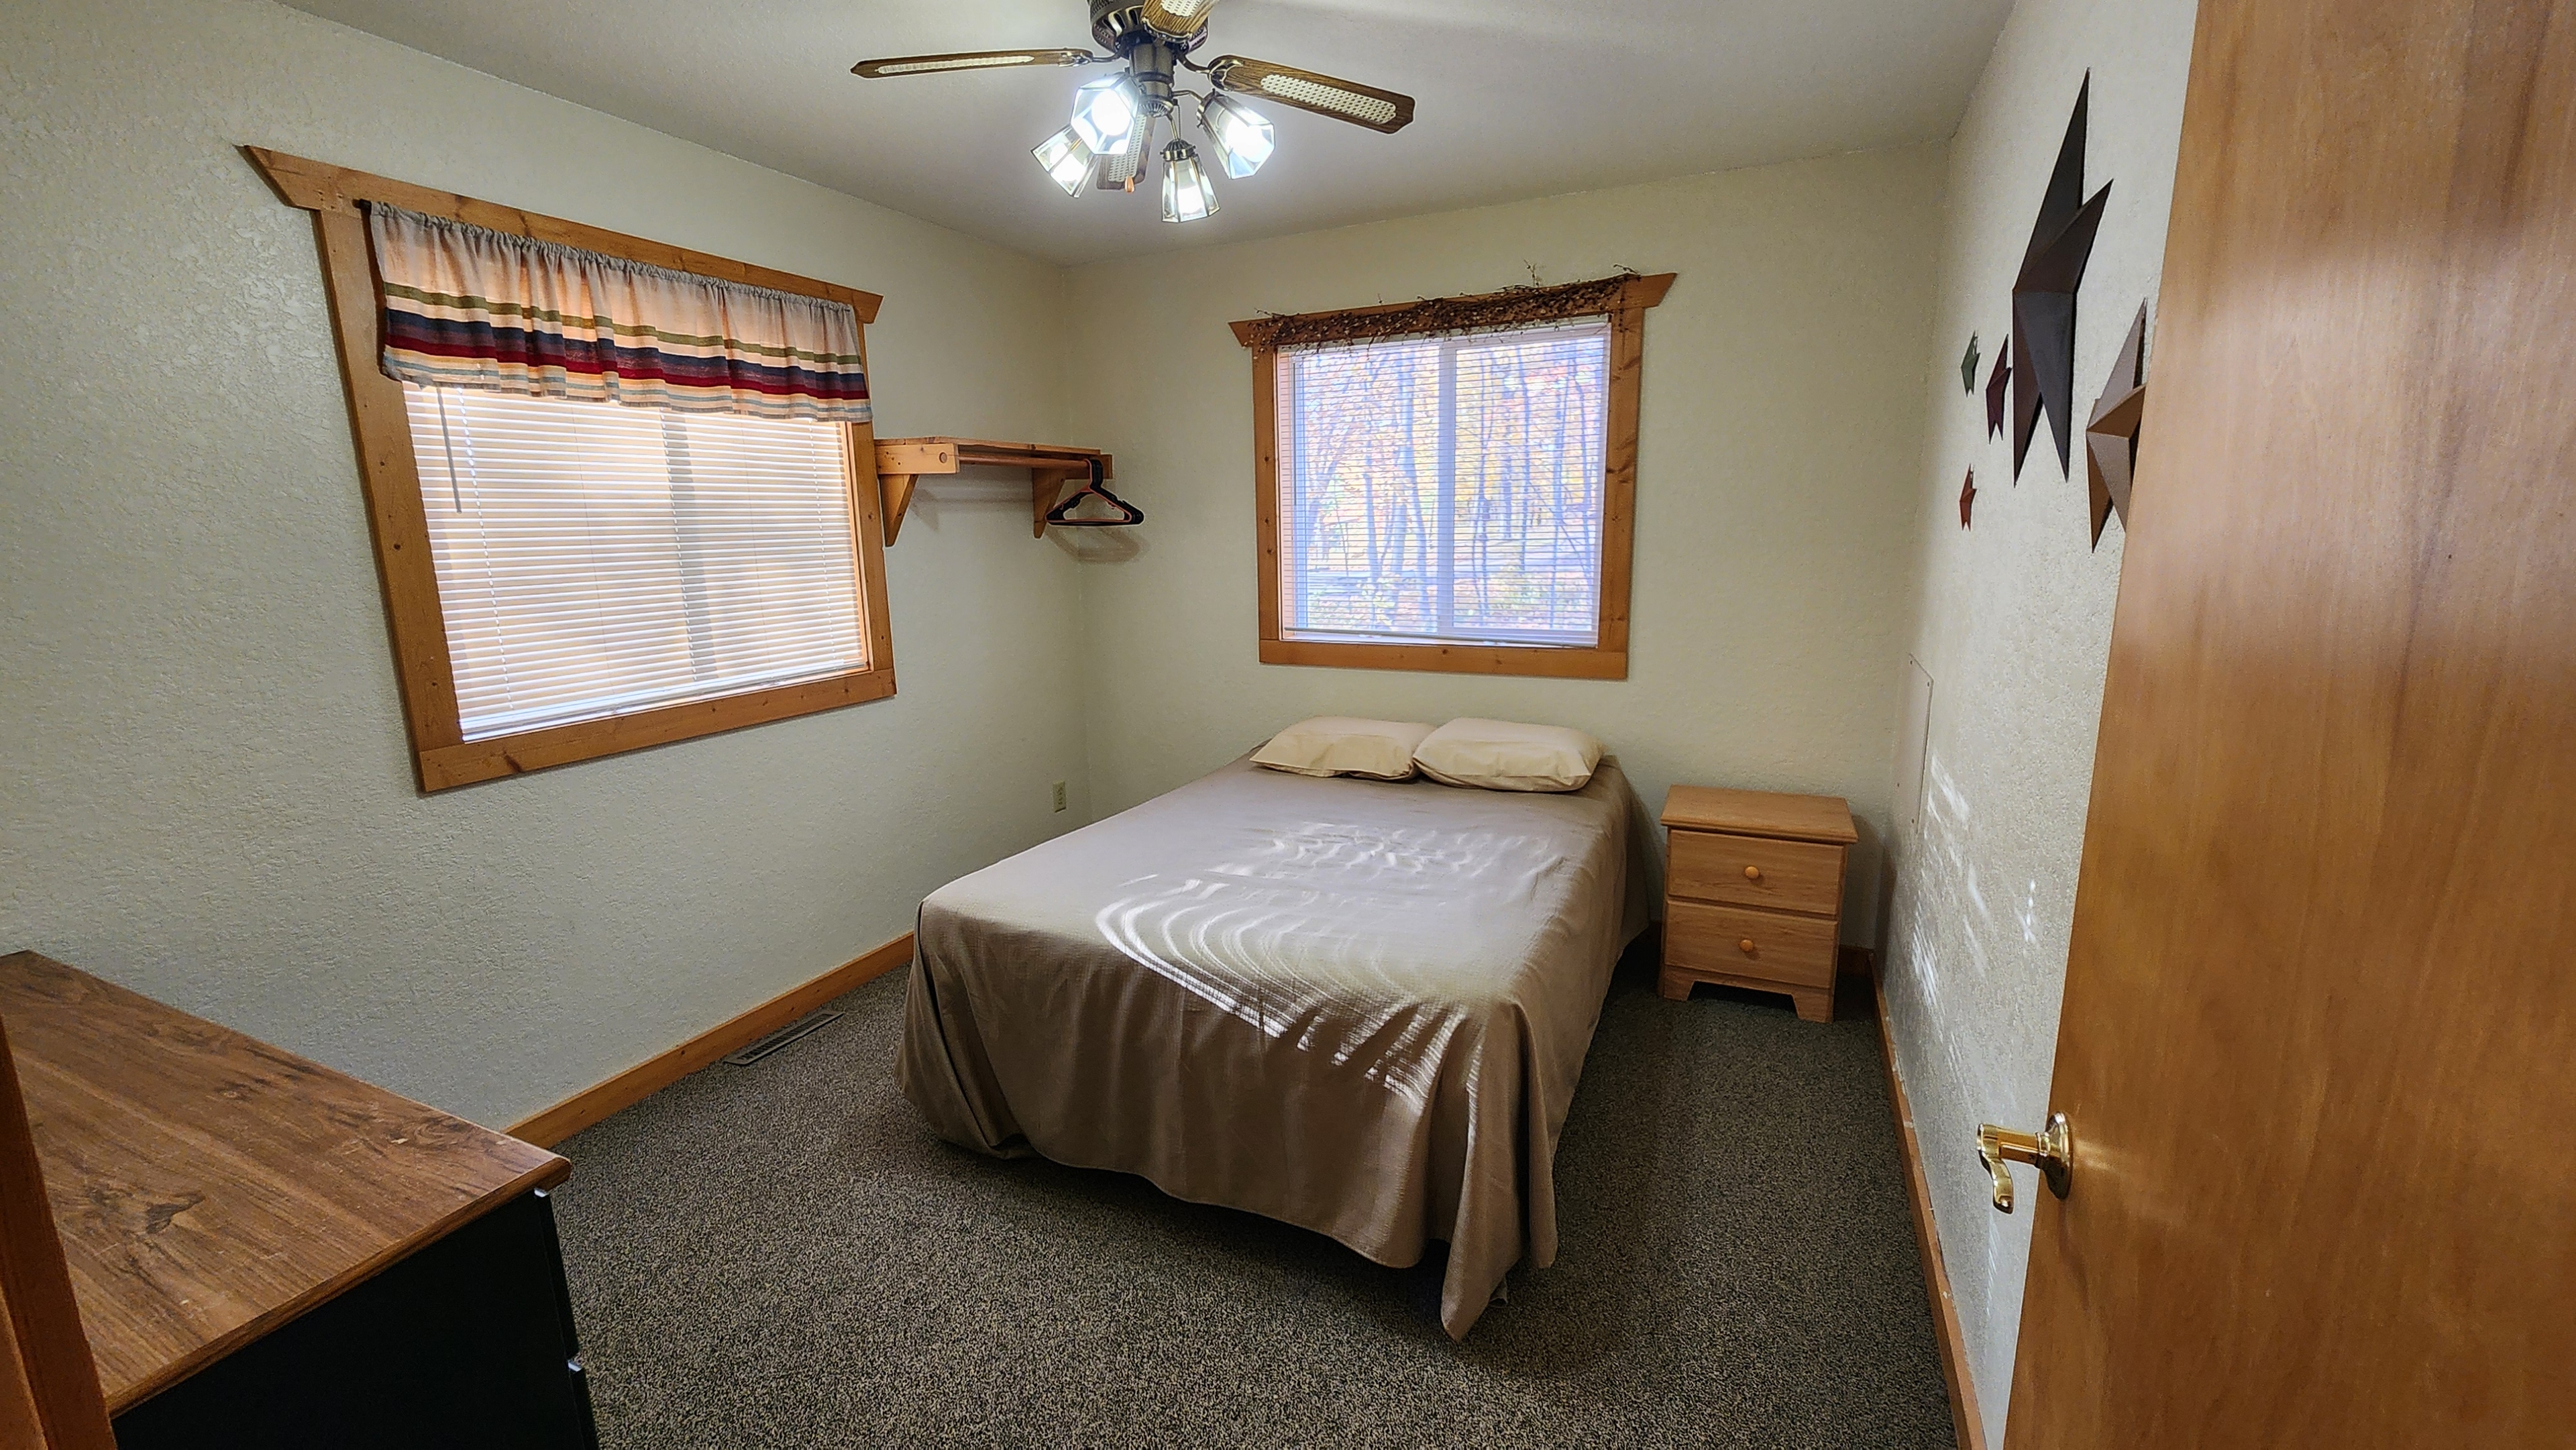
(470, 307)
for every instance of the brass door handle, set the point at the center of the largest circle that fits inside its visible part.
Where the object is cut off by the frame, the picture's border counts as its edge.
(2052, 1153)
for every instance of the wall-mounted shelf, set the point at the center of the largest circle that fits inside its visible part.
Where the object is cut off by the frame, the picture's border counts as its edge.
(902, 461)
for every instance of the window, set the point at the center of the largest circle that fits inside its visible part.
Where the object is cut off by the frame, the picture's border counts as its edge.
(596, 560)
(1445, 489)
(1454, 497)
(623, 494)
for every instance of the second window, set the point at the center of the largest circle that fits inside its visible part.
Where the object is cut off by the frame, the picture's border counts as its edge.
(1445, 489)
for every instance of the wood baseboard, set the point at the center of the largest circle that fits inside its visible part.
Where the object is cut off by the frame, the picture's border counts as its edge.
(1964, 1419)
(635, 1084)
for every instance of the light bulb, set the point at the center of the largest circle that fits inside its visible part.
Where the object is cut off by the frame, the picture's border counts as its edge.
(1104, 112)
(1242, 137)
(1188, 195)
(1066, 161)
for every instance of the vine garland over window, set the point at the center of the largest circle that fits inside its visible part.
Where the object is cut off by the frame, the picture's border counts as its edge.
(1433, 316)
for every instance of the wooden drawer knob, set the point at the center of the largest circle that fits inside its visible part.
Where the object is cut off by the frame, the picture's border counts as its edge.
(1746, 946)
(1752, 873)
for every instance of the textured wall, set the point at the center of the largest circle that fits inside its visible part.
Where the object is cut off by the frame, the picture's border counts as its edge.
(207, 795)
(2013, 621)
(1782, 419)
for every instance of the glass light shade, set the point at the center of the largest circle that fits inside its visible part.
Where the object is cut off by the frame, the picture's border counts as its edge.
(1242, 137)
(1104, 112)
(1066, 161)
(1188, 195)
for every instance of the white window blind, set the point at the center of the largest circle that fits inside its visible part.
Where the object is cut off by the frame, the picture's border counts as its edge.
(596, 560)
(1445, 489)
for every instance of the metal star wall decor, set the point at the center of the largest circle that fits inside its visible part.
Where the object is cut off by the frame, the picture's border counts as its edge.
(2111, 438)
(1968, 366)
(1967, 497)
(1996, 398)
(2061, 242)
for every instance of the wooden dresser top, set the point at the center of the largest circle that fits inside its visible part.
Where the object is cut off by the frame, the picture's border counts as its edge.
(208, 1187)
(1760, 813)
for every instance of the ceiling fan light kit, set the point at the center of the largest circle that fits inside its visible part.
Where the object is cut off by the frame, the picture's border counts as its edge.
(1188, 195)
(1111, 138)
(1105, 112)
(1066, 161)
(1242, 137)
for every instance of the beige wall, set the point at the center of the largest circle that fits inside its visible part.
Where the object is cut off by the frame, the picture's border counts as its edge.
(1782, 418)
(206, 794)
(2012, 619)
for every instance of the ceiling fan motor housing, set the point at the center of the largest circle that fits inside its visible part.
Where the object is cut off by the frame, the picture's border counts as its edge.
(1153, 59)
(1119, 25)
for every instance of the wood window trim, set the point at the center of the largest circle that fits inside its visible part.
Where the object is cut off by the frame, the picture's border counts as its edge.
(1607, 660)
(389, 472)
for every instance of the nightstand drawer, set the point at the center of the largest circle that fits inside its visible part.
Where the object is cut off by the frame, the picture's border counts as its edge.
(1754, 871)
(1798, 950)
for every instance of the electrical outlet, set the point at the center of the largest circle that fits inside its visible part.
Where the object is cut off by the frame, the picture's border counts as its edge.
(1059, 795)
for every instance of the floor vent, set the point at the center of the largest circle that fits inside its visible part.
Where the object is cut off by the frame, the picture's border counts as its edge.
(783, 1036)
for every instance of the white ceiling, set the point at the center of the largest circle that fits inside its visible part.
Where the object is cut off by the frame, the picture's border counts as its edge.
(1519, 98)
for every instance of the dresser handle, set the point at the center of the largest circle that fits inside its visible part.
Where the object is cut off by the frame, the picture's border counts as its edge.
(1752, 873)
(1745, 946)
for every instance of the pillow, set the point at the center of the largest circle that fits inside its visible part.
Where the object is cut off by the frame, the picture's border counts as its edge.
(1338, 745)
(1499, 755)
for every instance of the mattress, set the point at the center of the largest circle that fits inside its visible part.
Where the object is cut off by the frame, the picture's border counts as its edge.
(1355, 1006)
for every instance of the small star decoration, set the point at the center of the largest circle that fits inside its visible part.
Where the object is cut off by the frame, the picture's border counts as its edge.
(1967, 497)
(2111, 438)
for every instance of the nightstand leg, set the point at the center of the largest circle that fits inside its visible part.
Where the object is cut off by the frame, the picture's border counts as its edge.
(1816, 1006)
(1672, 986)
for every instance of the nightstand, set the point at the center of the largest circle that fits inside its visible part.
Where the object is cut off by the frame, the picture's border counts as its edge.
(1753, 893)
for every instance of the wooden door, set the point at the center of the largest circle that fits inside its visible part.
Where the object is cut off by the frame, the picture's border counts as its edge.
(2318, 1047)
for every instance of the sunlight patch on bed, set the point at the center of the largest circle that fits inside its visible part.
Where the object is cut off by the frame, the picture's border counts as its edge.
(1268, 937)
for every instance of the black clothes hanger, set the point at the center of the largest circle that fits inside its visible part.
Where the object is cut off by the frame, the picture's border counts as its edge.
(1094, 487)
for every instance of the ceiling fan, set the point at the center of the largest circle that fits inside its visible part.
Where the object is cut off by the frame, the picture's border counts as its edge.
(1114, 117)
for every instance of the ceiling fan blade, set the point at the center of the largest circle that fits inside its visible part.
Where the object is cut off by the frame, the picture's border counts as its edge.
(1178, 19)
(1324, 95)
(914, 65)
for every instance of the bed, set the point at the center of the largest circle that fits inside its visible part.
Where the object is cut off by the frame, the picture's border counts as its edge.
(1354, 1006)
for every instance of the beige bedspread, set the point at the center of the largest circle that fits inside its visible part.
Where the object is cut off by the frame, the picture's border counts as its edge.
(1354, 1006)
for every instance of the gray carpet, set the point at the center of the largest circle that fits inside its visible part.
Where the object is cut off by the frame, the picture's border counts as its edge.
(782, 1255)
